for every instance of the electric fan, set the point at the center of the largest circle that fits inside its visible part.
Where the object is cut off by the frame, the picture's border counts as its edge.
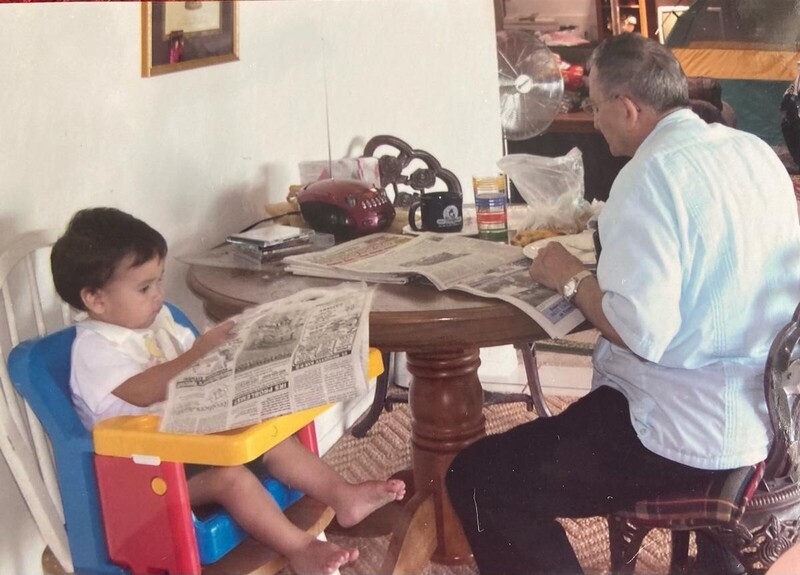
(531, 86)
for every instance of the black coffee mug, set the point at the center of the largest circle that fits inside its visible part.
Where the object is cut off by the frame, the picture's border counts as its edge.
(439, 212)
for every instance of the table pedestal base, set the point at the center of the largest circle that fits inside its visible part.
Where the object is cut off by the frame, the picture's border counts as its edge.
(446, 402)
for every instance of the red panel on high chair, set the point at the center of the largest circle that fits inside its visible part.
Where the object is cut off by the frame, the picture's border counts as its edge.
(308, 436)
(147, 517)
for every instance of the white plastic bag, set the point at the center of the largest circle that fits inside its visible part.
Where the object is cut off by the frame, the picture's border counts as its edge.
(552, 188)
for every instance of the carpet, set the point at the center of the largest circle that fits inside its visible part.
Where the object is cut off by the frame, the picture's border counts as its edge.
(386, 450)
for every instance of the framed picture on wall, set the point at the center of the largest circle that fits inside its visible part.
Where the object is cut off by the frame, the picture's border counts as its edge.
(183, 35)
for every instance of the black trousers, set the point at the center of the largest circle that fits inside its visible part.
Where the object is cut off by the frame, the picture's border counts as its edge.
(508, 489)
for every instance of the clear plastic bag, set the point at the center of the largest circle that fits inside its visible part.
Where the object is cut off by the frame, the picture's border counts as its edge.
(552, 188)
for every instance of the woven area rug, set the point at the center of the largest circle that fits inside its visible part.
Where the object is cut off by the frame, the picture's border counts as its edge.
(386, 450)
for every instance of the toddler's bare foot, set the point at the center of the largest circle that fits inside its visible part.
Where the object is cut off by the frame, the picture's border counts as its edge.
(320, 557)
(367, 497)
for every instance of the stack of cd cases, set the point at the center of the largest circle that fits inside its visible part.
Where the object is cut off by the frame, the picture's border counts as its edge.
(275, 241)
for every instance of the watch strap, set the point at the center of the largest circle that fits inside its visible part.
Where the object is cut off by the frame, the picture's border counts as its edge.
(576, 281)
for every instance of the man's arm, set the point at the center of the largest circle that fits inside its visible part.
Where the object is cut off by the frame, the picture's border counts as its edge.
(554, 266)
(589, 300)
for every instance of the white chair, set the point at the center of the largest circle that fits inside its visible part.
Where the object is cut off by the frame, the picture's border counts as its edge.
(30, 309)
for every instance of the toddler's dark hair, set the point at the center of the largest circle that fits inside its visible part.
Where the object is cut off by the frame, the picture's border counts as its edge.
(94, 244)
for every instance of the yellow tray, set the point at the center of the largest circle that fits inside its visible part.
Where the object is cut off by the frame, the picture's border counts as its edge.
(138, 435)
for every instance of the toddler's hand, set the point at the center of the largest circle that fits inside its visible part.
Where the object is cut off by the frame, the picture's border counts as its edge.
(214, 337)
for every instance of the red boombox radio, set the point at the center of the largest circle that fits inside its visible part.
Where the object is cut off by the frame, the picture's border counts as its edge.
(345, 208)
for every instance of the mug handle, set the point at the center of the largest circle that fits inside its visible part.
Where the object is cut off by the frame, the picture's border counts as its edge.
(412, 219)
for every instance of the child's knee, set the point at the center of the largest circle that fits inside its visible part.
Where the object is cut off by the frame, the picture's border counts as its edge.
(281, 451)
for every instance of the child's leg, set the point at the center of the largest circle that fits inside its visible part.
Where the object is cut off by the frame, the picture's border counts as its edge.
(244, 497)
(294, 465)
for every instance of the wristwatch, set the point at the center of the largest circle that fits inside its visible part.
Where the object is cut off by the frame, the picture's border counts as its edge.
(570, 289)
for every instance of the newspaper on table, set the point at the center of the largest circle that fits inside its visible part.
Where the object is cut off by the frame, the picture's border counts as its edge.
(355, 260)
(287, 355)
(482, 268)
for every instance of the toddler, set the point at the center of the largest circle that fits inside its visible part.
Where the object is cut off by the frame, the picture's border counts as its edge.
(110, 265)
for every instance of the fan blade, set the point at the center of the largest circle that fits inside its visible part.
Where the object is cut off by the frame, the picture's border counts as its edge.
(531, 86)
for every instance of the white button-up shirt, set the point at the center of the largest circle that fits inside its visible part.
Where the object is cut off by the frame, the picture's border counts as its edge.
(700, 268)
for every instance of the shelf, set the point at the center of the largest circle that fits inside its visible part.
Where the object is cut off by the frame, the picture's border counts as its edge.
(611, 13)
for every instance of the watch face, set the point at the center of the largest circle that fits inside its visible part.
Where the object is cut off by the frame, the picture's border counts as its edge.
(569, 288)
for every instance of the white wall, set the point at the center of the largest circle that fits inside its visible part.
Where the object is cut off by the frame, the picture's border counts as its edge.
(197, 153)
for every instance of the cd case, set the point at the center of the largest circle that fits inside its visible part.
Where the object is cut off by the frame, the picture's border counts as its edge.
(262, 255)
(275, 241)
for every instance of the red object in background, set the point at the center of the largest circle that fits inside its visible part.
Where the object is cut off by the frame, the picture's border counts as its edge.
(175, 46)
(573, 76)
(571, 73)
(345, 208)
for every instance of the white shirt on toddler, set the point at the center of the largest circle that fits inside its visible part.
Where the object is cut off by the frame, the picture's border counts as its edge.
(105, 355)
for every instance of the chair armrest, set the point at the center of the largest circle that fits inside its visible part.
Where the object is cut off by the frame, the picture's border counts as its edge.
(129, 435)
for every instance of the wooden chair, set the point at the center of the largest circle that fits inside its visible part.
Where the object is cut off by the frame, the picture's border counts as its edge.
(753, 511)
(116, 500)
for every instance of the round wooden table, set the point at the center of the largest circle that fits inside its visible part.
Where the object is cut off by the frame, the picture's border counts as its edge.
(441, 333)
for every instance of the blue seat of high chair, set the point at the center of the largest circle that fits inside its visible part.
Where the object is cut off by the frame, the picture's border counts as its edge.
(217, 533)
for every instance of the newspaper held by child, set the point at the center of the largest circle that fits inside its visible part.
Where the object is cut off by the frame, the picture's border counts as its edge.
(287, 355)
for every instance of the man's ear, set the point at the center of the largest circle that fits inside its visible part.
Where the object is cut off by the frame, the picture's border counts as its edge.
(93, 300)
(632, 111)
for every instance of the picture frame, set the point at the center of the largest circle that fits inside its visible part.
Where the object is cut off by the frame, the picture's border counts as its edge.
(180, 35)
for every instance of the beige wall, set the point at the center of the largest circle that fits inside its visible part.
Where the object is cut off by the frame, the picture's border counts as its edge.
(198, 153)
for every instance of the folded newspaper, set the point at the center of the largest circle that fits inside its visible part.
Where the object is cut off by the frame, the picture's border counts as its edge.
(285, 356)
(482, 268)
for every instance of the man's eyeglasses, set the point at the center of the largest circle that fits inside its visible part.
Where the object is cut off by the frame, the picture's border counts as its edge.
(591, 107)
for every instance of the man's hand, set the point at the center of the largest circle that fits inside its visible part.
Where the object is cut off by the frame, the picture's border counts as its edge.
(554, 265)
(213, 338)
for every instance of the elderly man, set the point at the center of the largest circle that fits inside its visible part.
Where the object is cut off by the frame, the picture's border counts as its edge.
(700, 268)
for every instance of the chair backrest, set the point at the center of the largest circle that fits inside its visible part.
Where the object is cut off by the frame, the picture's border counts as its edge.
(39, 369)
(782, 389)
(30, 308)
